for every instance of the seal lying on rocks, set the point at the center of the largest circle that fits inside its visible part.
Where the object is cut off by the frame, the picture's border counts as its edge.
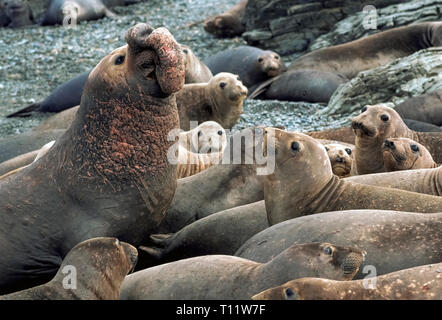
(227, 24)
(15, 14)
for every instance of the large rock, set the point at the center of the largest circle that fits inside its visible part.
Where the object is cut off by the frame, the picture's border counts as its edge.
(393, 16)
(403, 78)
(289, 26)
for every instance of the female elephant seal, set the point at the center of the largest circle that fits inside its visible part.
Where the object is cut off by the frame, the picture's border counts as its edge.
(231, 278)
(303, 183)
(426, 108)
(406, 154)
(228, 24)
(98, 267)
(108, 175)
(388, 237)
(419, 283)
(340, 158)
(373, 126)
(219, 100)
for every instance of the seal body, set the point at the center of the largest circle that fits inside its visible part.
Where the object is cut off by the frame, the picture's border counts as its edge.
(420, 126)
(343, 134)
(426, 108)
(196, 70)
(228, 24)
(99, 265)
(228, 277)
(16, 14)
(59, 121)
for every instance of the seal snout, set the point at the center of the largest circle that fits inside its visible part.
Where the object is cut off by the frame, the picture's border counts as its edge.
(389, 144)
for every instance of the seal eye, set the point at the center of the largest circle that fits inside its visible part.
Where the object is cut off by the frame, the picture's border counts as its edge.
(414, 148)
(289, 292)
(220, 133)
(276, 57)
(348, 150)
(364, 108)
(119, 60)
(384, 118)
(295, 146)
(326, 149)
(185, 51)
(328, 251)
(222, 85)
(199, 133)
(260, 60)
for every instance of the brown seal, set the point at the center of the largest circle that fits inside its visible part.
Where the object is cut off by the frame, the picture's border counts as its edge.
(220, 100)
(59, 121)
(190, 163)
(418, 283)
(108, 175)
(209, 136)
(196, 70)
(343, 134)
(406, 154)
(227, 24)
(425, 108)
(377, 123)
(97, 266)
(227, 277)
(303, 183)
(341, 158)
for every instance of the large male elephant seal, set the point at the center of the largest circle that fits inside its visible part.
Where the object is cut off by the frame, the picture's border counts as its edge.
(388, 237)
(227, 24)
(228, 278)
(108, 175)
(377, 123)
(419, 283)
(98, 267)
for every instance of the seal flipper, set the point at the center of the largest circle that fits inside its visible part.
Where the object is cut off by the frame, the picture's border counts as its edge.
(259, 89)
(27, 111)
(160, 245)
(109, 14)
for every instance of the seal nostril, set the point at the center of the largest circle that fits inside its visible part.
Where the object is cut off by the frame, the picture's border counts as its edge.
(389, 144)
(340, 160)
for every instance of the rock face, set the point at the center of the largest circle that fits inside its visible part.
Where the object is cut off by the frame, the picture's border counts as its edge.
(411, 76)
(289, 26)
(352, 27)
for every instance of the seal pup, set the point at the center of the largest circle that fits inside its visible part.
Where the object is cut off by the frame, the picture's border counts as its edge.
(108, 175)
(303, 183)
(388, 237)
(209, 136)
(406, 154)
(196, 70)
(220, 100)
(228, 24)
(231, 278)
(100, 266)
(18, 13)
(341, 158)
(373, 126)
(418, 283)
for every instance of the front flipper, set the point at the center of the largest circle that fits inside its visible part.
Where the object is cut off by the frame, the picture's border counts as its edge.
(160, 245)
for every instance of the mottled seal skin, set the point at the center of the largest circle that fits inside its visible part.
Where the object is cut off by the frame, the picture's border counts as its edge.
(228, 277)
(388, 237)
(220, 100)
(341, 158)
(427, 181)
(17, 13)
(343, 134)
(196, 70)
(373, 126)
(253, 65)
(221, 233)
(426, 108)
(108, 175)
(100, 264)
(418, 283)
(227, 24)
(421, 126)
(209, 136)
(303, 183)
(406, 154)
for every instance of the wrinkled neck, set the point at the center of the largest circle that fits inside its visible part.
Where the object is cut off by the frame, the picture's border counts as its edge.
(368, 156)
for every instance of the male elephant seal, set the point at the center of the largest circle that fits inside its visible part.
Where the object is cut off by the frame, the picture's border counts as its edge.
(341, 158)
(419, 283)
(253, 65)
(196, 70)
(209, 136)
(231, 278)
(406, 154)
(377, 123)
(388, 237)
(97, 266)
(220, 100)
(108, 175)
(303, 183)
(16, 14)
(227, 24)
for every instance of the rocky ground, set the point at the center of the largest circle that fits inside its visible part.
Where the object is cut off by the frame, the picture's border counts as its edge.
(37, 59)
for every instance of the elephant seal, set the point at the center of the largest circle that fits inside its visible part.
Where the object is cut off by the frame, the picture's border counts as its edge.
(343, 134)
(16, 14)
(418, 283)
(388, 237)
(108, 175)
(406, 154)
(373, 126)
(421, 126)
(17, 162)
(425, 108)
(227, 24)
(209, 136)
(4, 19)
(231, 278)
(196, 70)
(71, 12)
(303, 183)
(59, 121)
(98, 267)
(220, 100)
(340, 158)
(190, 163)
(253, 65)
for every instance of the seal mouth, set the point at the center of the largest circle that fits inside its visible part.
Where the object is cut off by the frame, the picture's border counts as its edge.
(273, 72)
(399, 158)
(361, 130)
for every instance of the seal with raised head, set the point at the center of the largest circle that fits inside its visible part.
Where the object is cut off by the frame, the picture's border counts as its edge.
(388, 237)
(196, 70)
(425, 108)
(340, 158)
(253, 65)
(373, 126)
(99, 266)
(406, 154)
(220, 100)
(228, 24)
(16, 14)
(418, 283)
(303, 183)
(228, 278)
(209, 136)
(108, 175)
